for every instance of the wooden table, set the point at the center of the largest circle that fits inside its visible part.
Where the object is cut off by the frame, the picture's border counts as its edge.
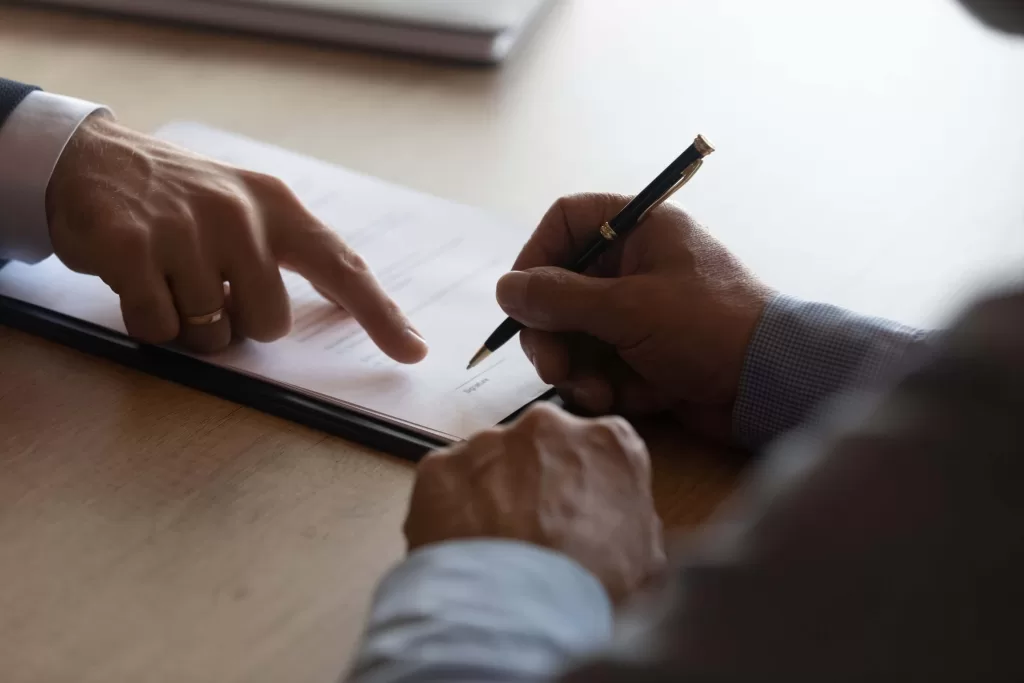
(868, 155)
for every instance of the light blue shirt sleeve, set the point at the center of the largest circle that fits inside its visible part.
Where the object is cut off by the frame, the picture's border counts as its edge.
(482, 610)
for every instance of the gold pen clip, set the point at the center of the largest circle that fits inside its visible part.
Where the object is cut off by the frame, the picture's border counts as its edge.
(704, 148)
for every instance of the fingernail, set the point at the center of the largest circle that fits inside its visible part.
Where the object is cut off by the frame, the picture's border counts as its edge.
(528, 351)
(416, 333)
(512, 291)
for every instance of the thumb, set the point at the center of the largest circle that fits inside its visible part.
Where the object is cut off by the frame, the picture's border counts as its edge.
(557, 300)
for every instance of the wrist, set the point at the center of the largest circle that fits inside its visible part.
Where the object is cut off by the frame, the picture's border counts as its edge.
(803, 352)
(75, 161)
(745, 311)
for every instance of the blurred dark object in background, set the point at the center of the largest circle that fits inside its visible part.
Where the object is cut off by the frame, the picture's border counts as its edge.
(1005, 15)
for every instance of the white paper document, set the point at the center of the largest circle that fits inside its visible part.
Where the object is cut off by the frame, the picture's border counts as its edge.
(439, 260)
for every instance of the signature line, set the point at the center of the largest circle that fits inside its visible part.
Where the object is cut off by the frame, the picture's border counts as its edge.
(482, 372)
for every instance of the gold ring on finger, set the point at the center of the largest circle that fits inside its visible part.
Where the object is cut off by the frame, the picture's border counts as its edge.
(207, 319)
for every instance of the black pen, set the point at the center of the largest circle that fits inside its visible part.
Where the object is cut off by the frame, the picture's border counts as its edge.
(660, 189)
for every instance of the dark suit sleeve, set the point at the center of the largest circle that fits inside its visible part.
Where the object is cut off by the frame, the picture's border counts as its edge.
(11, 95)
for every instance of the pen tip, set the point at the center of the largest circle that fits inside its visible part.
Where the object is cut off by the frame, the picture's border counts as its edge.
(478, 357)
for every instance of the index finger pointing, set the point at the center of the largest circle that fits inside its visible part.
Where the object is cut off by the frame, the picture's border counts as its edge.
(570, 223)
(319, 255)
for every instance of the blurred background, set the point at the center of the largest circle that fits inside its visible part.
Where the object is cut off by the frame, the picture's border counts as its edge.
(870, 153)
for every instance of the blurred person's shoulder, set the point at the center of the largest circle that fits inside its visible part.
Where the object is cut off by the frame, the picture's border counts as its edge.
(992, 327)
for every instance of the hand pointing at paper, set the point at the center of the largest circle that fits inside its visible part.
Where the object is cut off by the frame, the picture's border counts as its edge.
(166, 229)
(661, 322)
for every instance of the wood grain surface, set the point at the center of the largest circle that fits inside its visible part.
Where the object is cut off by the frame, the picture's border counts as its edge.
(149, 532)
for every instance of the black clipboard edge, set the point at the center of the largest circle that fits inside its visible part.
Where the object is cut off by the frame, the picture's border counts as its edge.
(261, 395)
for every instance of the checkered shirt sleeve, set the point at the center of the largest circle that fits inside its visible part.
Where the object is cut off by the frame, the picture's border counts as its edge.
(803, 352)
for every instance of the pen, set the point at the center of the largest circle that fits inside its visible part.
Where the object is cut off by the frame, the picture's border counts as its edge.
(608, 234)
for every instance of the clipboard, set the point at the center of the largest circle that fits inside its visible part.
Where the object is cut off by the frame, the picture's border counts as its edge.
(263, 395)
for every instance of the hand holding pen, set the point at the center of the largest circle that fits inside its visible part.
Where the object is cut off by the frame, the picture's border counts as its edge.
(612, 231)
(661, 323)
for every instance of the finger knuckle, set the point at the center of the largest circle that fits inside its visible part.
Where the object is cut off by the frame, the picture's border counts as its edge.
(132, 244)
(261, 308)
(488, 435)
(540, 415)
(565, 204)
(611, 202)
(351, 263)
(174, 211)
(163, 331)
(484, 441)
(676, 212)
(617, 432)
(239, 208)
(179, 233)
(270, 186)
(546, 283)
(143, 322)
(234, 214)
(607, 204)
(129, 258)
(435, 462)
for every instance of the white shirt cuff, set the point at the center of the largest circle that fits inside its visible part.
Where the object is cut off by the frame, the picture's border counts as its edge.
(31, 142)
